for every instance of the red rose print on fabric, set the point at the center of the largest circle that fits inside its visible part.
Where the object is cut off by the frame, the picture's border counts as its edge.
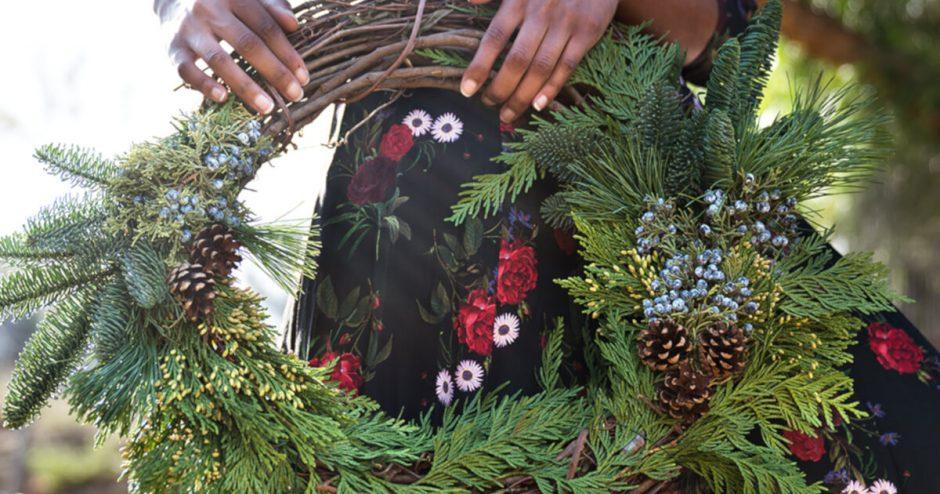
(346, 371)
(396, 142)
(516, 276)
(474, 322)
(804, 447)
(372, 181)
(894, 349)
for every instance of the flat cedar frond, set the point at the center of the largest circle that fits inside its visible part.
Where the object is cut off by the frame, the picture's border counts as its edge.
(852, 283)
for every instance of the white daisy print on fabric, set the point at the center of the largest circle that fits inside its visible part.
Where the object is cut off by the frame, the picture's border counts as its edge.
(469, 375)
(882, 487)
(447, 128)
(419, 121)
(855, 487)
(505, 329)
(444, 387)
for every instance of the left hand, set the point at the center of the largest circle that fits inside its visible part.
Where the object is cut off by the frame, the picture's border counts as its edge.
(554, 35)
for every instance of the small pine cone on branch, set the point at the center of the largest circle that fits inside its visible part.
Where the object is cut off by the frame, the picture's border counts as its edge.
(684, 393)
(722, 349)
(663, 344)
(195, 290)
(217, 249)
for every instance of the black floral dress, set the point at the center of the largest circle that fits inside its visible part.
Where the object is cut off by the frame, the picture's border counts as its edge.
(420, 312)
(424, 310)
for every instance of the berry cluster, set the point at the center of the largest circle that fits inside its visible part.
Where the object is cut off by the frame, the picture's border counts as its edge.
(230, 157)
(651, 231)
(766, 219)
(685, 284)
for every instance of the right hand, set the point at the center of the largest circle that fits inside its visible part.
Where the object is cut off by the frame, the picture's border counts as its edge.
(254, 28)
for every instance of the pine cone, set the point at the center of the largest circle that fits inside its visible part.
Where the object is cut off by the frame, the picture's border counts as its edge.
(217, 249)
(194, 289)
(663, 344)
(684, 393)
(722, 349)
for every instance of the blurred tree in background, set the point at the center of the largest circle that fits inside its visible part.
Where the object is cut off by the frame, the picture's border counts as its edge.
(893, 46)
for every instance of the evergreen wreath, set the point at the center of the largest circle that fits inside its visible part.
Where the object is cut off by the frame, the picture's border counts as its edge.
(720, 320)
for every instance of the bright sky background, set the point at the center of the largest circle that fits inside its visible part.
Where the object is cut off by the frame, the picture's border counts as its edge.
(96, 74)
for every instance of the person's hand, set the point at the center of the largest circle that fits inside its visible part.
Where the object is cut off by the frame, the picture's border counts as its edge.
(254, 28)
(554, 35)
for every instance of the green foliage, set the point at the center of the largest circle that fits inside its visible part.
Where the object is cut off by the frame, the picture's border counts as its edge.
(69, 226)
(758, 47)
(26, 290)
(50, 356)
(853, 283)
(723, 79)
(556, 212)
(145, 275)
(484, 195)
(552, 356)
(81, 167)
(719, 149)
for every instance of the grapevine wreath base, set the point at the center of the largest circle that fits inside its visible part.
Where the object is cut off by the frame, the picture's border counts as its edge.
(720, 323)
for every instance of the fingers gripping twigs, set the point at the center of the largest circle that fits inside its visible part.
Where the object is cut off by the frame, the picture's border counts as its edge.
(256, 29)
(552, 36)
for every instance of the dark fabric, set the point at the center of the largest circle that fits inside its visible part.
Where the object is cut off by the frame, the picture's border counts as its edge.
(398, 298)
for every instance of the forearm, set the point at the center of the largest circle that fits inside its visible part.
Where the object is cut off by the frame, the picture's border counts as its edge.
(691, 23)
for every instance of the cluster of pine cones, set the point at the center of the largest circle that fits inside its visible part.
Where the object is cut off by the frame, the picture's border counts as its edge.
(690, 366)
(212, 257)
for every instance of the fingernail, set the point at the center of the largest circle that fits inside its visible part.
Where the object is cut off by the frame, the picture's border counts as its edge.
(294, 92)
(487, 101)
(218, 94)
(302, 76)
(507, 115)
(540, 102)
(468, 87)
(264, 103)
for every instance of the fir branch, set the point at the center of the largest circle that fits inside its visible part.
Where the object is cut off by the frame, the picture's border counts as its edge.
(71, 224)
(51, 354)
(15, 250)
(719, 145)
(723, 79)
(79, 166)
(758, 48)
(24, 291)
(145, 275)
(556, 212)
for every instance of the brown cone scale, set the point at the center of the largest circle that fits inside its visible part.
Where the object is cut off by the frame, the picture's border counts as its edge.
(194, 289)
(216, 249)
(722, 349)
(684, 393)
(663, 344)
